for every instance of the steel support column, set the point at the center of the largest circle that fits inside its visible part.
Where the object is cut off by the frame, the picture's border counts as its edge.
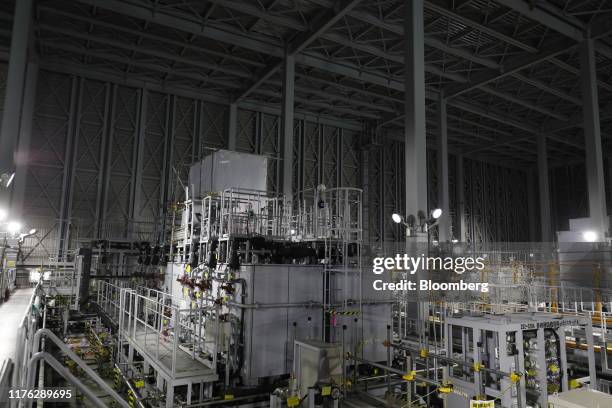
(592, 139)
(544, 189)
(444, 227)
(287, 115)
(414, 130)
(232, 126)
(72, 139)
(22, 156)
(137, 164)
(459, 183)
(13, 97)
(531, 204)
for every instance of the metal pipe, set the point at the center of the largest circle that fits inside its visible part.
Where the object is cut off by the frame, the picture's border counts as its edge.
(220, 401)
(92, 374)
(396, 371)
(344, 359)
(64, 372)
(452, 360)
(311, 304)
(389, 362)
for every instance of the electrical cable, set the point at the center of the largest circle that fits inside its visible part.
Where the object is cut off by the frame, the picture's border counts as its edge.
(421, 397)
(503, 392)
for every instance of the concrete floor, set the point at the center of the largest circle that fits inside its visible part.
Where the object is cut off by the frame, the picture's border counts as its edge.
(11, 315)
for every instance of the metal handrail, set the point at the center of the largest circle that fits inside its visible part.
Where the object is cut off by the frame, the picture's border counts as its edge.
(64, 372)
(23, 348)
(63, 347)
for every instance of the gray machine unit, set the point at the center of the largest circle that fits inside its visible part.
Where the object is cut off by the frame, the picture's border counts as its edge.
(316, 362)
(276, 296)
(533, 344)
(374, 317)
(225, 169)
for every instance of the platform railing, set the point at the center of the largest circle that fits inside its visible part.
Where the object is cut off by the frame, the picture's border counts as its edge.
(25, 336)
(161, 329)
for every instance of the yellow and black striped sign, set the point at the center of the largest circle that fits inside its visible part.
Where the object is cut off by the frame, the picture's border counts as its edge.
(344, 313)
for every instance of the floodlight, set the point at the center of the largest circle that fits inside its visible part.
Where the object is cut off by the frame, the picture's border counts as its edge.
(6, 179)
(589, 236)
(397, 218)
(13, 227)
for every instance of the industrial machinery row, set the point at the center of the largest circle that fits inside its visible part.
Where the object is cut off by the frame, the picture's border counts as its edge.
(250, 298)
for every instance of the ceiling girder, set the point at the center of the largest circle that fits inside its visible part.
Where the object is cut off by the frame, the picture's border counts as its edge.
(260, 44)
(321, 23)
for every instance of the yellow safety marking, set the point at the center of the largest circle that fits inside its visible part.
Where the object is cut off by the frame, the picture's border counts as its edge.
(482, 403)
(445, 388)
(515, 377)
(293, 401)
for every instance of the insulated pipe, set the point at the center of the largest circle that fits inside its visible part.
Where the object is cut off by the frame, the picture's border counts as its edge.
(389, 362)
(288, 305)
(396, 371)
(452, 360)
(68, 376)
(216, 402)
(73, 356)
(344, 359)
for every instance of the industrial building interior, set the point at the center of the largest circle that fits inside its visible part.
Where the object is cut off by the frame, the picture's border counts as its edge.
(208, 203)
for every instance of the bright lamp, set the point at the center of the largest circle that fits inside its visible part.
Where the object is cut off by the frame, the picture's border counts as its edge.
(13, 227)
(436, 213)
(589, 236)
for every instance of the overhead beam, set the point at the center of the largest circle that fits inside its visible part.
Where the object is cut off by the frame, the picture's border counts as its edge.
(321, 23)
(148, 35)
(136, 81)
(497, 71)
(200, 76)
(550, 16)
(157, 53)
(511, 67)
(261, 79)
(370, 49)
(253, 43)
(535, 12)
(398, 29)
(189, 61)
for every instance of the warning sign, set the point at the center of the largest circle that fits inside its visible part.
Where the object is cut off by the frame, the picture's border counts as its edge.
(482, 404)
